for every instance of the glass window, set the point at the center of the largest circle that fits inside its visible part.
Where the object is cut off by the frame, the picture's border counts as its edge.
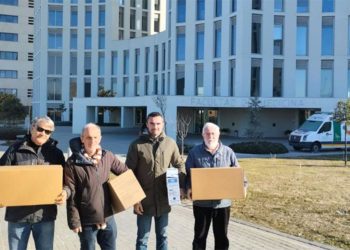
(255, 78)
(8, 74)
(121, 17)
(327, 5)
(8, 55)
(54, 89)
(8, 18)
(301, 78)
(87, 63)
(181, 11)
(54, 65)
(233, 5)
(146, 85)
(87, 40)
(132, 19)
(87, 87)
(180, 43)
(156, 58)
(88, 17)
(101, 64)
(200, 9)
(55, 39)
(156, 22)
(74, 18)
(217, 41)
(302, 6)
(73, 40)
(10, 37)
(277, 78)
(216, 78)
(180, 79)
(279, 7)
(101, 39)
(348, 79)
(155, 85)
(9, 2)
(157, 4)
(256, 34)
(349, 35)
(232, 79)
(55, 17)
(199, 80)
(163, 56)
(326, 78)
(302, 35)
(278, 35)
(114, 62)
(137, 86)
(233, 36)
(72, 88)
(147, 57)
(144, 21)
(145, 4)
(218, 8)
(125, 86)
(126, 62)
(73, 63)
(102, 16)
(256, 4)
(327, 36)
(137, 61)
(200, 41)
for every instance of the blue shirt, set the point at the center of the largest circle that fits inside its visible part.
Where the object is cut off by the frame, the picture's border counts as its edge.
(199, 157)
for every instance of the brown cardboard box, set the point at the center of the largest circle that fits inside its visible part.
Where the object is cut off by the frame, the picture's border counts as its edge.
(217, 183)
(125, 191)
(30, 185)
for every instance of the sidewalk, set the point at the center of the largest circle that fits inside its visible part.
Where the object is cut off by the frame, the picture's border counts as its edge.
(242, 236)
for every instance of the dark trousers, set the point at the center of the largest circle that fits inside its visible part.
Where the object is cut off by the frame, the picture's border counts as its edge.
(203, 217)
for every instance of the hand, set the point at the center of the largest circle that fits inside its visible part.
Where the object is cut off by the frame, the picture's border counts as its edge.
(61, 198)
(138, 209)
(182, 194)
(77, 230)
(189, 194)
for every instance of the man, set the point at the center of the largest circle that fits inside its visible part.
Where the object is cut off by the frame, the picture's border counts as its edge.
(37, 148)
(149, 157)
(89, 209)
(212, 153)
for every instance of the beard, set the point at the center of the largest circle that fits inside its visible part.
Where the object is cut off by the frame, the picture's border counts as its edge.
(211, 144)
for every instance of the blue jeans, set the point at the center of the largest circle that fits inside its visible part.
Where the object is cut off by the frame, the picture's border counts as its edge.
(106, 238)
(144, 223)
(18, 235)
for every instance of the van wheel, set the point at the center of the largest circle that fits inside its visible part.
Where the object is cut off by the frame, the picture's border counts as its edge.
(315, 147)
(296, 148)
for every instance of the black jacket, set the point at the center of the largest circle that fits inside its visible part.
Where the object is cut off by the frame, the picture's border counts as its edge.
(24, 152)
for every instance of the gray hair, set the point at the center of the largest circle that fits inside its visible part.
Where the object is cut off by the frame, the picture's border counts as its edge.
(210, 124)
(45, 119)
(90, 125)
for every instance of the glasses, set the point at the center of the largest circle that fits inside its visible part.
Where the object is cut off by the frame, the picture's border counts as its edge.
(40, 129)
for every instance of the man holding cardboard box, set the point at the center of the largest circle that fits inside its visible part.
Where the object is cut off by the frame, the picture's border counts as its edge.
(211, 154)
(89, 208)
(35, 149)
(149, 157)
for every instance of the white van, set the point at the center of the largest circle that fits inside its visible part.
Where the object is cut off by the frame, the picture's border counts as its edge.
(319, 131)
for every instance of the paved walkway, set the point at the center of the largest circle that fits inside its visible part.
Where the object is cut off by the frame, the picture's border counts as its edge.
(242, 235)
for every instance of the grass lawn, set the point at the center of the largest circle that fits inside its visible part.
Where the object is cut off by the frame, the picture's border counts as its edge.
(303, 197)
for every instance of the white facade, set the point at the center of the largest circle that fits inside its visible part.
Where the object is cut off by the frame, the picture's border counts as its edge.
(211, 58)
(16, 48)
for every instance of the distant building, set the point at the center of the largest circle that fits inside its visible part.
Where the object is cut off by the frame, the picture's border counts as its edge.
(208, 59)
(16, 48)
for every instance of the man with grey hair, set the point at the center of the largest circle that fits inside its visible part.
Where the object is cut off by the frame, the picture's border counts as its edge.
(37, 148)
(211, 153)
(89, 208)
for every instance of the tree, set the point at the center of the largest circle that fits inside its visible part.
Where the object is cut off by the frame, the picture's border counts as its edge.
(253, 131)
(342, 114)
(11, 109)
(106, 93)
(161, 103)
(183, 123)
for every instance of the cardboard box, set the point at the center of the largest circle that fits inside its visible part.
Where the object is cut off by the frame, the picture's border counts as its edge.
(217, 183)
(125, 191)
(30, 185)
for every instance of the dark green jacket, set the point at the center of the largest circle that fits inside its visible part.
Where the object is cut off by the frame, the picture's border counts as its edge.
(149, 159)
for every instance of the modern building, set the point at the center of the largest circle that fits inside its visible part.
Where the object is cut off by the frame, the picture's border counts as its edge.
(208, 60)
(16, 48)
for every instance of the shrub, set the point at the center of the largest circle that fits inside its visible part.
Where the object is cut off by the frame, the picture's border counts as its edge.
(11, 133)
(262, 147)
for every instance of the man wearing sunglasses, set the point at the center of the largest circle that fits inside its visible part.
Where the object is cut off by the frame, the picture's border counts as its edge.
(37, 148)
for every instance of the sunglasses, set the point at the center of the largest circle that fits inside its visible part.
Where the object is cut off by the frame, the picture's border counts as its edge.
(40, 129)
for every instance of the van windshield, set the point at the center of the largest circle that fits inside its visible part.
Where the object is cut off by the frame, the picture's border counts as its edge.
(310, 125)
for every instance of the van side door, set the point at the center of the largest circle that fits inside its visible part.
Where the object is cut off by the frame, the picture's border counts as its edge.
(325, 133)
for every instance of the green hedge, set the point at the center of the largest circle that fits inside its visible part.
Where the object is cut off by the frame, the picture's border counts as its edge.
(261, 147)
